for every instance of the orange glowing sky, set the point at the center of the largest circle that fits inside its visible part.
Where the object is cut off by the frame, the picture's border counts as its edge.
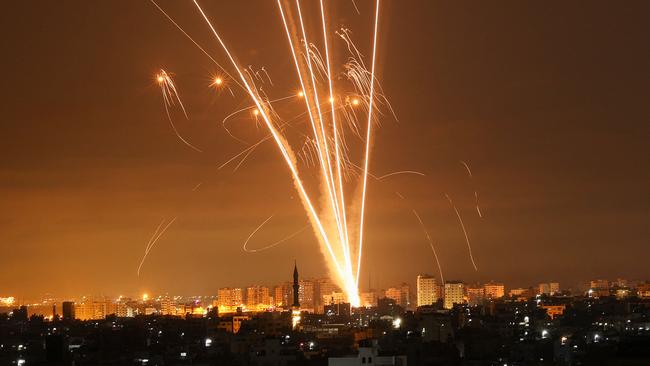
(547, 103)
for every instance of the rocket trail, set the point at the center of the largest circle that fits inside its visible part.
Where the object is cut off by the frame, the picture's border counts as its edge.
(462, 225)
(286, 154)
(401, 172)
(170, 94)
(367, 153)
(337, 221)
(426, 235)
(223, 122)
(274, 244)
(195, 43)
(471, 177)
(152, 241)
(467, 167)
(435, 254)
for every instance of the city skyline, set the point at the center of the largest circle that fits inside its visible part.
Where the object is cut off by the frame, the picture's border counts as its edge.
(551, 127)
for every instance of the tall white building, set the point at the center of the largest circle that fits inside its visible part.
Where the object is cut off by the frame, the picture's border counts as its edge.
(454, 294)
(427, 290)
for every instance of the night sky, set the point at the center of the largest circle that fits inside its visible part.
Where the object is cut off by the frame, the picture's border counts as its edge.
(546, 101)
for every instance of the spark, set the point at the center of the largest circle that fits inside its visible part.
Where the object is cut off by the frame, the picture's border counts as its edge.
(170, 98)
(462, 225)
(284, 149)
(325, 145)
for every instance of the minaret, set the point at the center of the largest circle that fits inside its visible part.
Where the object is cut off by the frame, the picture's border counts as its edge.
(296, 287)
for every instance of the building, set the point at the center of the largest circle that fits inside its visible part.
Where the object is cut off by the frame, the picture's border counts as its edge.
(405, 291)
(258, 298)
(454, 294)
(553, 310)
(323, 287)
(167, 306)
(599, 284)
(521, 293)
(598, 288)
(91, 309)
(334, 298)
(283, 294)
(67, 308)
(494, 290)
(543, 289)
(475, 294)
(427, 290)
(394, 293)
(367, 356)
(229, 299)
(306, 293)
(550, 288)
(643, 290)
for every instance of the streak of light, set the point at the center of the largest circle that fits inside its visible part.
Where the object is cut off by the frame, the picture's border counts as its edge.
(467, 167)
(223, 122)
(284, 149)
(195, 43)
(274, 244)
(367, 153)
(426, 234)
(170, 94)
(153, 240)
(471, 177)
(337, 149)
(401, 172)
(462, 225)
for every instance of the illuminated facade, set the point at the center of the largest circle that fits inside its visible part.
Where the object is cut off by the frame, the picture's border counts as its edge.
(454, 294)
(323, 287)
(334, 298)
(427, 290)
(475, 294)
(394, 293)
(306, 294)
(494, 290)
(258, 298)
(229, 299)
(92, 309)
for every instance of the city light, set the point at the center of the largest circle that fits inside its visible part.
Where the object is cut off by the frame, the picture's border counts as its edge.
(295, 318)
(397, 323)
